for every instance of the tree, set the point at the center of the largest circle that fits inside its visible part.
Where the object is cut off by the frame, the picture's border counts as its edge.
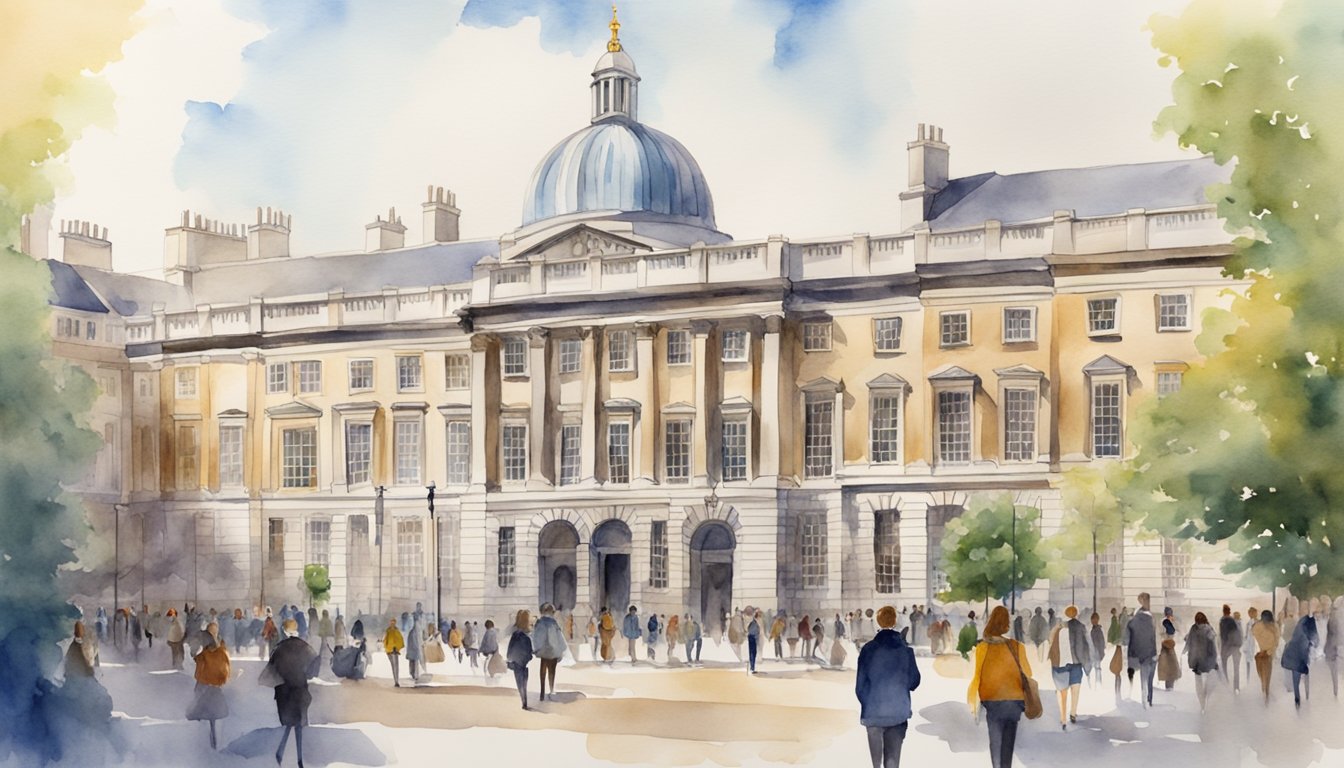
(1247, 452)
(317, 582)
(978, 553)
(44, 444)
(1094, 519)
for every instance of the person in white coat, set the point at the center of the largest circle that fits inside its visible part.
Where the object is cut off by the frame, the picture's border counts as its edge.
(548, 644)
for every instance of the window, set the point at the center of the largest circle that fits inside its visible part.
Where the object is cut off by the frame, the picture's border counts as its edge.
(275, 552)
(658, 555)
(1173, 312)
(145, 385)
(457, 371)
(1169, 382)
(887, 551)
(885, 438)
(410, 553)
(1175, 565)
(620, 351)
(513, 442)
(678, 347)
(954, 329)
(817, 336)
(1106, 420)
(734, 450)
(677, 440)
(954, 426)
(508, 557)
(571, 355)
(459, 452)
(887, 334)
(358, 452)
(298, 458)
(1019, 425)
(277, 378)
(1019, 324)
(361, 375)
(734, 347)
(406, 435)
(310, 376)
(1103, 316)
(186, 382)
(319, 542)
(570, 458)
(91, 330)
(359, 541)
(231, 456)
(618, 452)
(409, 374)
(188, 477)
(515, 356)
(819, 418)
(1110, 562)
(812, 540)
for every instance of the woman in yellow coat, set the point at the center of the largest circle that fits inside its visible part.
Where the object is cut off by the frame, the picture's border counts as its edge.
(997, 686)
(393, 644)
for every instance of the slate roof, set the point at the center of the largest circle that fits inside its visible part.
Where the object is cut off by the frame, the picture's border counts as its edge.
(133, 294)
(1104, 190)
(70, 291)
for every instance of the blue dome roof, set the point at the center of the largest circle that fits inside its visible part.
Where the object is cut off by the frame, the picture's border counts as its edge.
(619, 165)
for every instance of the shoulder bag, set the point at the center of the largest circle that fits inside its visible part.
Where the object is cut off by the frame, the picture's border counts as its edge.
(1031, 692)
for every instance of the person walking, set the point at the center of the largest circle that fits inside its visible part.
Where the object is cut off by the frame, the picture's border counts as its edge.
(1297, 654)
(466, 643)
(967, 638)
(393, 644)
(1266, 633)
(630, 631)
(651, 639)
(791, 633)
(777, 628)
(805, 634)
(136, 632)
(607, 632)
(818, 635)
(270, 636)
(1229, 647)
(489, 646)
(1248, 640)
(1334, 642)
(1070, 654)
(289, 669)
(1168, 666)
(692, 636)
(887, 673)
(1020, 627)
(1140, 641)
(242, 632)
(1038, 631)
(176, 638)
(353, 661)
(548, 644)
(519, 654)
(415, 648)
(996, 686)
(338, 630)
(1201, 653)
(326, 634)
(212, 672)
(1114, 629)
(673, 632)
(753, 640)
(1097, 638)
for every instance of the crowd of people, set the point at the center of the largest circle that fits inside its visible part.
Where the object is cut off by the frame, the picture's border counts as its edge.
(1132, 642)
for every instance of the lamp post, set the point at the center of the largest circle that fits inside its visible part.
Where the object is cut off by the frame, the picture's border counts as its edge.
(438, 571)
(378, 521)
(116, 554)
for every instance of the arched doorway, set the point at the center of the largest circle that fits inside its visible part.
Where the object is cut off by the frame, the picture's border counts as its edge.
(711, 593)
(610, 565)
(557, 564)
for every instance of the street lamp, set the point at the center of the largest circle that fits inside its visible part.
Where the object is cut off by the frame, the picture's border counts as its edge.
(711, 503)
(116, 554)
(378, 521)
(438, 571)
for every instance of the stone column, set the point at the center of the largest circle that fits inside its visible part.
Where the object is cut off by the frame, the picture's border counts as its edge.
(480, 352)
(590, 361)
(645, 471)
(538, 438)
(769, 456)
(705, 407)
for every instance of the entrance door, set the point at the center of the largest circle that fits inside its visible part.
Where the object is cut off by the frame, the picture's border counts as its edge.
(557, 554)
(610, 567)
(716, 593)
(616, 583)
(564, 588)
(711, 594)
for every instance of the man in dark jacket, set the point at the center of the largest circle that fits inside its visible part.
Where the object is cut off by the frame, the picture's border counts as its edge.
(1140, 641)
(292, 663)
(1229, 644)
(886, 676)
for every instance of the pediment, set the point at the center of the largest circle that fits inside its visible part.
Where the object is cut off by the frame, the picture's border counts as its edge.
(1105, 365)
(293, 410)
(581, 242)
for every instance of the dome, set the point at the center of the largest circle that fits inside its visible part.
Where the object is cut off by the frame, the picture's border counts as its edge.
(618, 164)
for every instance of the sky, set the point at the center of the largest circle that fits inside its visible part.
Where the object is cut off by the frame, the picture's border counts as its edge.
(798, 111)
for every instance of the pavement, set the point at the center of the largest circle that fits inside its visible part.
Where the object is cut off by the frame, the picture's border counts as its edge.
(716, 713)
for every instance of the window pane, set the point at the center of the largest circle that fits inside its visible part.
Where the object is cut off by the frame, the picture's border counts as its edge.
(887, 334)
(410, 562)
(1101, 315)
(1175, 565)
(319, 542)
(816, 337)
(618, 452)
(298, 458)
(275, 550)
(570, 457)
(407, 438)
(658, 555)
(1173, 312)
(678, 451)
(1018, 324)
(188, 476)
(310, 377)
(358, 452)
(620, 351)
(459, 452)
(408, 373)
(1019, 424)
(186, 382)
(817, 438)
(571, 355)
(514, 440)
(954, 328)
(678, 347)
(1169, 382)
(885, 445)
(277, 378)
(515, 356)
(230, 456)
(954, 426)
(508, 557)
(1106, 424)
(887, 551)
(361, 375)
(735, 450)
(813, 544)
(457, 371)
(734, 346)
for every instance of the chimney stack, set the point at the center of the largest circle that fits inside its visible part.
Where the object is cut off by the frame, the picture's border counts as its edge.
(34, 229)
(441, 216)
(269, 237)
(385, 235)
(928, 174)
(200, 242)
(85, 245)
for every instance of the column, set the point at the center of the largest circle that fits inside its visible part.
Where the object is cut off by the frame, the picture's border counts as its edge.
(649, 414)
(590, 362)
(838, 431)
(705, 407)
(770, 383)
(480, 352)
(538, 437)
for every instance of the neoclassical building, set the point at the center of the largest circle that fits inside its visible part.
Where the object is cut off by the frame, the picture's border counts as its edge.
(619, 403)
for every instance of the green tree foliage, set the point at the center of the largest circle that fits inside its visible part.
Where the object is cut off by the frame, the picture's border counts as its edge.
(1248, 451)
(317, 581)
(978, 549)
(1094, 518)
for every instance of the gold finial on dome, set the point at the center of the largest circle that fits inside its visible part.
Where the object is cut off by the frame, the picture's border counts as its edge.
(615, 44)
